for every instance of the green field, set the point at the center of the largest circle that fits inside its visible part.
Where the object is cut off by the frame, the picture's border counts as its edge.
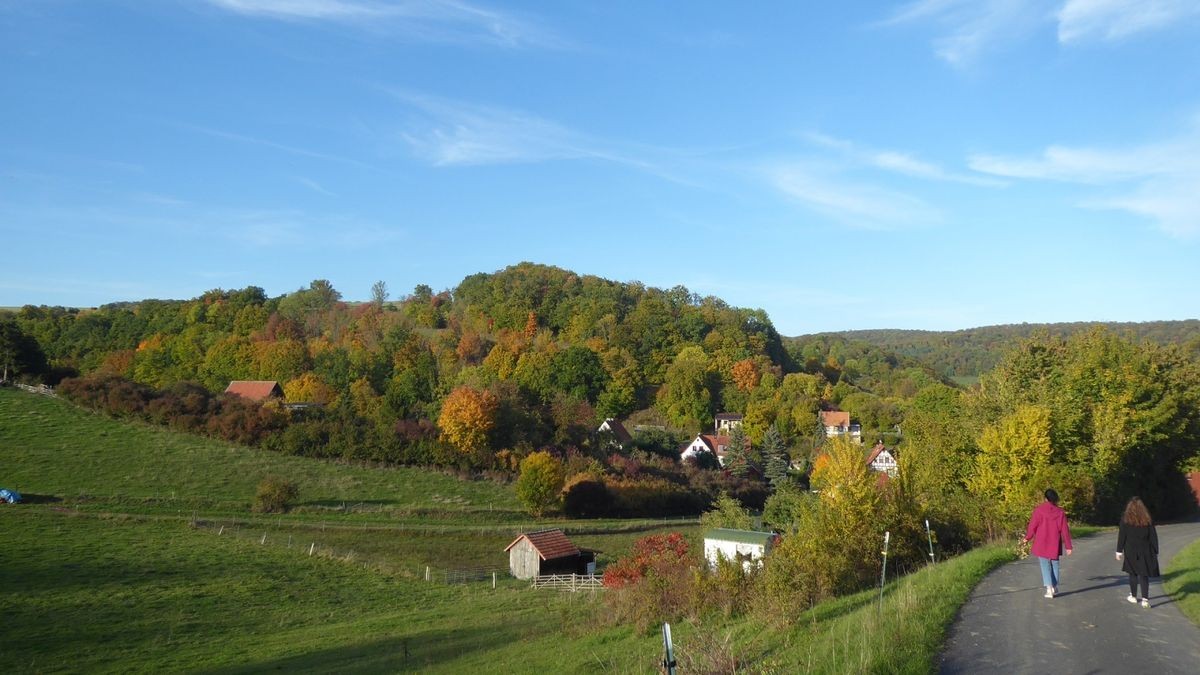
(138, 553)
(1182, 581)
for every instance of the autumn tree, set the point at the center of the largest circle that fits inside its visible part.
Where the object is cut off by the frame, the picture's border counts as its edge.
(729, 513)
(686, 394)
(466, 421)
(540, 483)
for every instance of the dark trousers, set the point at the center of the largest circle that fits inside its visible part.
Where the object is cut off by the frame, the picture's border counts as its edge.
(1133, 584)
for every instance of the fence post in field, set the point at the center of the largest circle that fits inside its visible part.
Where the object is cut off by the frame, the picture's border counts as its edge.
(887, 536)
(929, 535)
(493, 581)
(427, 573)
(264, 540)
(311, 547)
(221, 531)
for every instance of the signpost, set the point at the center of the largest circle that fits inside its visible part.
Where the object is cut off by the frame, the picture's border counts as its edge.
(668, 651)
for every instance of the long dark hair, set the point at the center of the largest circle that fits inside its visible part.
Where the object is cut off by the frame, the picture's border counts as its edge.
(1136, 513)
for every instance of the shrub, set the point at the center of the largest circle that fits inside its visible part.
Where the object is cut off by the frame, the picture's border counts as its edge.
(585, 496)
(540, 483)
(275, 495)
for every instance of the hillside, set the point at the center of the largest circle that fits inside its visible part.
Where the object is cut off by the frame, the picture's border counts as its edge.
(974, 351)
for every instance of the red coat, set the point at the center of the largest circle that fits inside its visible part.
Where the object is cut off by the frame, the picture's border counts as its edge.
(1049, 532)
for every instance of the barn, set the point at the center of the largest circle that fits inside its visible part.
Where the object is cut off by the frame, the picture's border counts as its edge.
(543, 552)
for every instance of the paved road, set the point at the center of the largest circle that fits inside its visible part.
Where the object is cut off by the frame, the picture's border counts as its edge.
(1008, 627)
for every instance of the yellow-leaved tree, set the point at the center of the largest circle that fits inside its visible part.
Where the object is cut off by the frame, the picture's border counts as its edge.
(540, 483)
(1012, 452)
(467, 419)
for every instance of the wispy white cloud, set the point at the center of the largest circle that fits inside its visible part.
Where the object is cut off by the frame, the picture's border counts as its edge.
(1159, 181)
(1079, 20)
(282, 147)
(853, 203)
(968, 28)
(897, 162)
(447, 21)
(315, 186)
(450, 133)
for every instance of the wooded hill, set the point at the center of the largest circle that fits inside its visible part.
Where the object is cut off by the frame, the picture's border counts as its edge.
(974, 351)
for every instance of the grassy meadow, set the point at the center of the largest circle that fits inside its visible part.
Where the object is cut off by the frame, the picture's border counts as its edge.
(138, 552)
(1182, 580)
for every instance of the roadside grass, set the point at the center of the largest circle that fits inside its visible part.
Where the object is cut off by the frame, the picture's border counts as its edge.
(1181, 580)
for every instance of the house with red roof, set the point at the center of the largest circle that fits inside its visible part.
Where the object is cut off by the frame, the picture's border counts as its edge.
(837, 423)
(615, 433)
(534, 554)
(256, 390)
(883, 460)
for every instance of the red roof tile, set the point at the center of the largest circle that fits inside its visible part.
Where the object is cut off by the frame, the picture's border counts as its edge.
(549, 544)
(255, 390)
(835, 418)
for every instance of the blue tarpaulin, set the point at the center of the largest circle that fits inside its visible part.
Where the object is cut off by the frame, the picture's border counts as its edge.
(10, 496)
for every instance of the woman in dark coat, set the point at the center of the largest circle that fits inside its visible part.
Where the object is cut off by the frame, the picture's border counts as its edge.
(1137, 545)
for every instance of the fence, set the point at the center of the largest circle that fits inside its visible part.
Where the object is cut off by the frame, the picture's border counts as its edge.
(570, 582)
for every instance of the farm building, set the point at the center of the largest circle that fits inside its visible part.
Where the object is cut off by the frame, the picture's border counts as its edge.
(547, 552)
(747, 546)
(255, 390)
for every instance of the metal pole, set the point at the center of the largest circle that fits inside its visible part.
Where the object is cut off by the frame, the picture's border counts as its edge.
(929, 534)
(668, 650)
(887, 536)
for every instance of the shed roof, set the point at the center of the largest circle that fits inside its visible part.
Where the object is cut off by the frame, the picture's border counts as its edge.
(740, 536)
(549, 544)
(255, 390)
(733, 417)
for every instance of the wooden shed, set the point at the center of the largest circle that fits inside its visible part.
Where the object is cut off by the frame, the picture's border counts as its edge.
(547, 552)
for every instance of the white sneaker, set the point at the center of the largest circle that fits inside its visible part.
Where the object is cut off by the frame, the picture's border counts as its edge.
(1145, 603)
(1049, 592)
(1132, 599)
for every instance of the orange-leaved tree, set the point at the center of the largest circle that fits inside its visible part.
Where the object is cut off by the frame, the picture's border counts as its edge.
(467, 419)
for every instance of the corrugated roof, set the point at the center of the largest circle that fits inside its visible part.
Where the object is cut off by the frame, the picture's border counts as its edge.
(549, 544)
(740, 536)
(255, 390)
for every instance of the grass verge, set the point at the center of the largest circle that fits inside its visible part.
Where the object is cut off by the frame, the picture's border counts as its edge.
(1182, 581)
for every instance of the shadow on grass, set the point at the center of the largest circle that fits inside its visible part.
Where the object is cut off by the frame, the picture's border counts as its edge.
(410, 653)
(30, 498)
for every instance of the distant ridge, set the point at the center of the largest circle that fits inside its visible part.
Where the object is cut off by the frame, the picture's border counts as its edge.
(973, 351)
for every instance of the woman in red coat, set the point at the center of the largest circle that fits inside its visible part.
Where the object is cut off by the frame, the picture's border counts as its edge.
(1051, 536)
(1137, 545)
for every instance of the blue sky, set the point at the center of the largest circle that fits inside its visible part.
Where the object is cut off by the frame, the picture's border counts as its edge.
(938, 164)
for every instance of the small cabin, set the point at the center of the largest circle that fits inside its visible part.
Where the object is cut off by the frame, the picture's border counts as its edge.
(747, 546)
(545, 552)
(615, 433)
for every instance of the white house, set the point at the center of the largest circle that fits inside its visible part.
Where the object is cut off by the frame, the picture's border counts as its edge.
(837, 423)
(614, 432)
(746, 546)
(883, 460)
(724, 423)
(717, 445)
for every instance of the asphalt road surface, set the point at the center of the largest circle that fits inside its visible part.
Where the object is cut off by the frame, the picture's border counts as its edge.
(1006, 626)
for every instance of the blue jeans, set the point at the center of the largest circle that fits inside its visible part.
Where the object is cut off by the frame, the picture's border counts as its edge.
(1049, 571)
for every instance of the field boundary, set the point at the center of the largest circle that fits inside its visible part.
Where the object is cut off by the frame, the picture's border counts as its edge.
(570, 582)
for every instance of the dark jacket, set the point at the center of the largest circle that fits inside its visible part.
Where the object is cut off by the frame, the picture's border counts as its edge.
(1049, 532)
(1140, 546)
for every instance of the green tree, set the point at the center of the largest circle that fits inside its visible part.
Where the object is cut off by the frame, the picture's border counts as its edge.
(540, 483)
(776, 458)
(729, 513)
(737, 457)
(686, 394)
(379, 293)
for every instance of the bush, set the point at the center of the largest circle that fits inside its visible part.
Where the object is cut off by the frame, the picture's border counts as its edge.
(275, 495)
